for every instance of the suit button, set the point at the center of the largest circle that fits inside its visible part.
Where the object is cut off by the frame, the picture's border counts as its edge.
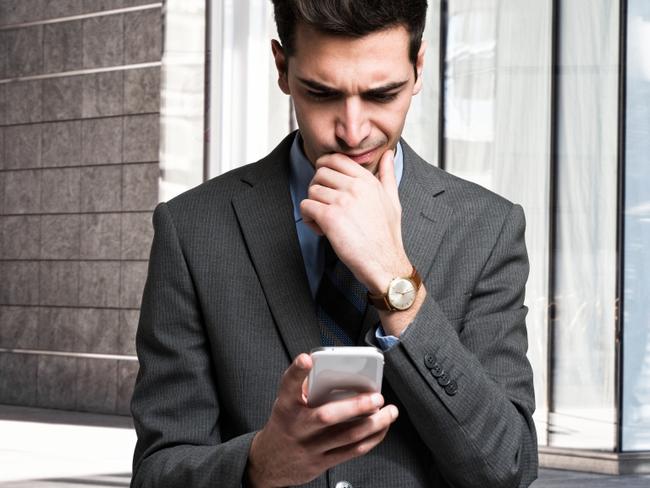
(436, 370)
(429, 360)
(343, 484)
(452, 388)
(444, 379)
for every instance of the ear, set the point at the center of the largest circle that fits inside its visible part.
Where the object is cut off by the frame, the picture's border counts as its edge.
(281, 64)
(419, 68)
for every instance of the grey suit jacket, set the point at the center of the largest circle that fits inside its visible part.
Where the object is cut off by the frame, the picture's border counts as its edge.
(227, 306)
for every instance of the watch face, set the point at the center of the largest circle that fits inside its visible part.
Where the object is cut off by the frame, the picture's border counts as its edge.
(401, 293)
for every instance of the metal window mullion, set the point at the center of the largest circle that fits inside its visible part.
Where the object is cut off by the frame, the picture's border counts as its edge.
(553, 206)
(444, 24)
(620, 222)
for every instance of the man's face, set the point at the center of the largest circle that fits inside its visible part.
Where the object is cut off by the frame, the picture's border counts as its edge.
(351, 95)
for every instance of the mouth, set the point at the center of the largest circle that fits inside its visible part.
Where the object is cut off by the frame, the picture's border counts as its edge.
(362, 158)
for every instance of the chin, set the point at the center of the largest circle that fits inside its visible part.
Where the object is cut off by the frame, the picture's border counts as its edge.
(373, 168)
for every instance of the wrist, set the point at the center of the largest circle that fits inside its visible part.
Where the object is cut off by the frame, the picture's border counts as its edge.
(379, 282)
(255, 473)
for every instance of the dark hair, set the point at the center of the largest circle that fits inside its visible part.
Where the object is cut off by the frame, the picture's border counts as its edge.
(353, 18)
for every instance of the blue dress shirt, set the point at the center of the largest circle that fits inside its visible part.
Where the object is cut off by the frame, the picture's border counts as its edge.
(311, 244)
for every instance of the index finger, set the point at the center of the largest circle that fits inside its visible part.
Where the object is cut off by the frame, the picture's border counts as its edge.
(338, 411)
(341, 164)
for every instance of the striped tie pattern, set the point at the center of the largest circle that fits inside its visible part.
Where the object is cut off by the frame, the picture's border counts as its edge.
(340, 301)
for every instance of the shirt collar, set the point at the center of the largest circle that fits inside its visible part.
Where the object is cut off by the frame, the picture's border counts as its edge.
(302, 172)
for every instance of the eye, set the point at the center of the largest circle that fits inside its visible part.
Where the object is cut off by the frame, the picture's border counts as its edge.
(321, 96)
(381, 97)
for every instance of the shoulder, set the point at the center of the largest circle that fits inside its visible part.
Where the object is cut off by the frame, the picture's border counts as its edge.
(481, 213)
(214, 191)
(216, 194)
(466, 199)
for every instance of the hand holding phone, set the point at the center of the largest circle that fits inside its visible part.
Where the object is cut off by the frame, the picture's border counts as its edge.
(343, 372)
(299, 442)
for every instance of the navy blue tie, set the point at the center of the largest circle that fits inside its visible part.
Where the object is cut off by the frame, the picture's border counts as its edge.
(340, 301)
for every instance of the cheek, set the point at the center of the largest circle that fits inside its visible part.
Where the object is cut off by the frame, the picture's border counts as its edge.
(314, 122)
(391, 120)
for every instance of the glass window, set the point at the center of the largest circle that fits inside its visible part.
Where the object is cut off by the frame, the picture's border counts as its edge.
(421, 128)
(584, 414)
(249, 115)
(182, 105)
(636, 319)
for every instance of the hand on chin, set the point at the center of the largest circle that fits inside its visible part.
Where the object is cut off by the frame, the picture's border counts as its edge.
(360, 214)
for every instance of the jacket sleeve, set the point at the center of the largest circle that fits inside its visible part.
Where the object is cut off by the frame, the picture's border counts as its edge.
(466, 383)
(175, 406)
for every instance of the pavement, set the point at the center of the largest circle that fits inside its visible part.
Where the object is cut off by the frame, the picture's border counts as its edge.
(57, 449)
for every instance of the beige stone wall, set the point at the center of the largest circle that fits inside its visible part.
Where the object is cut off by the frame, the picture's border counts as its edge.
(79, 144)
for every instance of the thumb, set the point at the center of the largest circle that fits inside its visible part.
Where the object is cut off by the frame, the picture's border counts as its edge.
(291, 386)
(386, 173)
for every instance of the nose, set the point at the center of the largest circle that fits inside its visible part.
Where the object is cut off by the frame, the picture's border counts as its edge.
(352, 124)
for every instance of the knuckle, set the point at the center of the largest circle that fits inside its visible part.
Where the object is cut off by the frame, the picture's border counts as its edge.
(375, 423)
(314, 190)
(344, 200)
(358, 434)
(328, 215)
(362, 448)
(323, 416)
(364, 403)
(286, 376)
(337, 158)
(280, 408)
(383, 426)
(357, 189)
(306, 209)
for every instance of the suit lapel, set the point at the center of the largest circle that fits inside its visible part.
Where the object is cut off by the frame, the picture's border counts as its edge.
(265, 214)
(424, 217)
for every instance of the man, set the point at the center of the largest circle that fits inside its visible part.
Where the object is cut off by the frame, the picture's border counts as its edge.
(233, 301)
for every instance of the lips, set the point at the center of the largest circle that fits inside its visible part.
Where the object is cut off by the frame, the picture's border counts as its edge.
(363, 158)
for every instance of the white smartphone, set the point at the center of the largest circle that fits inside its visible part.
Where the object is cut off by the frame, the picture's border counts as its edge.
(342, 372)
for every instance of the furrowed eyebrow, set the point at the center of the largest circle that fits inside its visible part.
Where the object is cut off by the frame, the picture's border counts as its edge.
(314, 85)
(380, 90)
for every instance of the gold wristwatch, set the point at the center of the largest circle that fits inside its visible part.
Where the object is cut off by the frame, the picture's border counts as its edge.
(400, 295)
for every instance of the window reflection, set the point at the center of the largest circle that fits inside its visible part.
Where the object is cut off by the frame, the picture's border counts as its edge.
(636, 319)
(583, 409)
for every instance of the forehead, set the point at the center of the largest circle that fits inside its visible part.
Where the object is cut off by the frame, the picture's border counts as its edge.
(375, 58)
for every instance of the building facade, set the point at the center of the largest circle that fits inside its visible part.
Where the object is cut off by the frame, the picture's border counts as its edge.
(546, 102)
(79, 171)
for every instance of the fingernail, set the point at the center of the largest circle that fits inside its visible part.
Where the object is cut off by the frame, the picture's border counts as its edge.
(376, 400)
(394, 412)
